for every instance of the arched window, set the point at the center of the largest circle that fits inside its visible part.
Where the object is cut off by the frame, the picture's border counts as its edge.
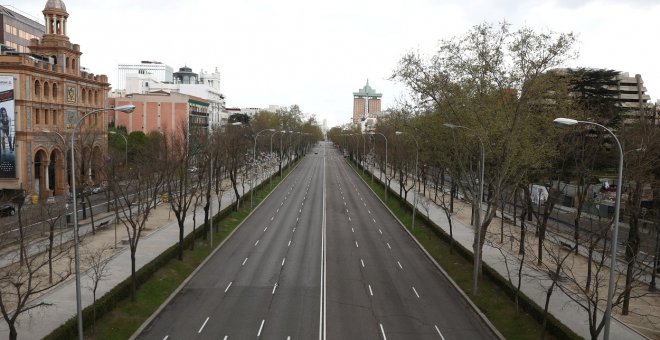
(83, 96)
(55, 91)
(73, 66)
(68, 64)
(46, 90)
(37, 89)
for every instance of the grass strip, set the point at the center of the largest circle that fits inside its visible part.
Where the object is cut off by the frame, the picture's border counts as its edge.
(491, 300)
(124, 320)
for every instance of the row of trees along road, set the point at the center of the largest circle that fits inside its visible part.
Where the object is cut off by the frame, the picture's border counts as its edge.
(505, 87)
(188, 166)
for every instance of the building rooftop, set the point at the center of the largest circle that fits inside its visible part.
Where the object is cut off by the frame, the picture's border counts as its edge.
(367, 91)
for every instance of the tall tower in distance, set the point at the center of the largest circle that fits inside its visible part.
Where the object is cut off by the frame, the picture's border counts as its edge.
(365, 101)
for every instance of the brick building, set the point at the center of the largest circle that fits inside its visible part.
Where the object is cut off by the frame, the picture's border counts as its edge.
(366, 101)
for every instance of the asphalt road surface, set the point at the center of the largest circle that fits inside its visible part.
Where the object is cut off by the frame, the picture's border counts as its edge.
(320, 258)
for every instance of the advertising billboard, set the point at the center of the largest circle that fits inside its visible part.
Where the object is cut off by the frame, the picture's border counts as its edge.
(7, 128)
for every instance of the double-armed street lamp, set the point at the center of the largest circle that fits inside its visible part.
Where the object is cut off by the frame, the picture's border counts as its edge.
(477, 218)
(416, 175)
(125, 109)
(254, 162)
(385, 184)
(615, 233)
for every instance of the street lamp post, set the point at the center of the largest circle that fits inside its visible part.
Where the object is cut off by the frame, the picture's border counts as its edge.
(125, 146)
(384, 184)
(254, 162)
(271, 152)
(126, 109)
(477, 217)
(617, 207)
(416, 174)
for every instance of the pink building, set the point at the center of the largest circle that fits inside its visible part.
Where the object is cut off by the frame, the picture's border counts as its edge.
(161, 111)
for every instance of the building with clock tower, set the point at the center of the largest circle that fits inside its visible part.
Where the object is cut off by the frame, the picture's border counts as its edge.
(43, 94)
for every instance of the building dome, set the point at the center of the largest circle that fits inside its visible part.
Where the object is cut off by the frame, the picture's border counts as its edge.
(55, 4)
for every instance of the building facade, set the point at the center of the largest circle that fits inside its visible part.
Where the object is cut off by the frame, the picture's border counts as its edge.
(365, 102)
(43, 95)
(154, 70)
(164, 112)
(205, 85)
(17, 29)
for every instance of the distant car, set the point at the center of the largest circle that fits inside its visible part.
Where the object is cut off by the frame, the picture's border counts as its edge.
(7, 209)
(98, 189)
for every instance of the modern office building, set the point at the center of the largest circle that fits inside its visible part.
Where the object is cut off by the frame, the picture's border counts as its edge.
(43, 94)
(147, 69)
(366, 101)
(17, 29)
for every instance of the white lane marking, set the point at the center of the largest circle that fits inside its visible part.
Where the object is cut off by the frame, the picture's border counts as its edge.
(284, 259)
(388, 246)
(344, 202)
(374, 220)
(229, 285)
(380, 231)
(274, 287)
(289, 245)
(281, 204)
(362, 263)
(371, 291)
(226, 337)
(204, 324)
(272, 218)
(297, 219)
(260, 328)
(294, 230)
(265, 228)
(352, 230)
(399, 263)
(244, 262)
(356, 245)
(365, 204)
(278, 210)
(415, 290)
(438, 330)
(255, 243)
(349, 218)
(382, 331)
(347, 211)
(322, 321)
(165, 338)
(300, 211)
(369, 211)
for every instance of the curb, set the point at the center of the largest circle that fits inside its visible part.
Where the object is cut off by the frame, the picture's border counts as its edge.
(430, 258)
(162, 306)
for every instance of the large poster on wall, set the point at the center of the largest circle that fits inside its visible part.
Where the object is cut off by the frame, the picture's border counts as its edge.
(7, 128)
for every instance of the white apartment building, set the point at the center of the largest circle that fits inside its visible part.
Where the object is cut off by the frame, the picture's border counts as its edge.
(154, 69)
(206, 85)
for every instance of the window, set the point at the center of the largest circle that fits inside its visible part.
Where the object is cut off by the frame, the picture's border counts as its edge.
(54, 114)
(37, 89)
(36, 116)
(83, 95)
(54, 91)
(46, 117)
(46, 91)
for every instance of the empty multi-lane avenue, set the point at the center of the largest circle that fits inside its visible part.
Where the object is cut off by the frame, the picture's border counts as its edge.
(321, 257)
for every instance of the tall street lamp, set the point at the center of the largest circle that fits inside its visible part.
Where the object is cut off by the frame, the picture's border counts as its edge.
(617, 206)
(384, 184)
(126, 109)
(271, 152)
(254, 161)
(125, 145)
(416, 174)
(477, 219)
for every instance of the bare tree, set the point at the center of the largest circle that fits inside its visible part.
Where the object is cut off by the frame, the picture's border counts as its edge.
(97, 261)
(27, 278)
(52, 213)
(136, 192)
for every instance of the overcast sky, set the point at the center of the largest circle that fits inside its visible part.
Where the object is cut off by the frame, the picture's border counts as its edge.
(316, 53)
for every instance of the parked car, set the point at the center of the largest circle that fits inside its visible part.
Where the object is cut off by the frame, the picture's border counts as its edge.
(7, 209)
(98, 189)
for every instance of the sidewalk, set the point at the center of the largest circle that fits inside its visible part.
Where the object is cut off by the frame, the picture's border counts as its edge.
(161, 232)
(561, 306)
